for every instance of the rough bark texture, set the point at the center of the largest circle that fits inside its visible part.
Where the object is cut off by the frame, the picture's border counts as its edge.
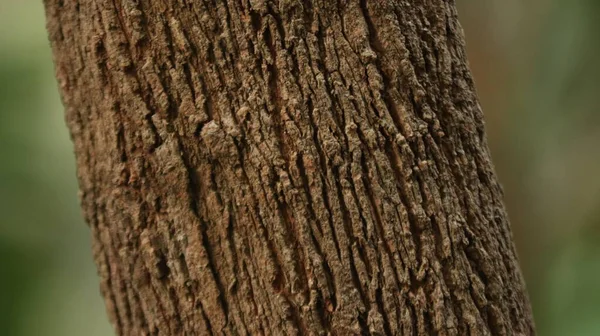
(285, 168)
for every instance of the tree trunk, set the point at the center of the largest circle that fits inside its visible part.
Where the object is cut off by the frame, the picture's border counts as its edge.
(285, 167)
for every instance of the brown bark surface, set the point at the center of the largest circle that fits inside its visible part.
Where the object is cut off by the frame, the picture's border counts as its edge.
(285, 168)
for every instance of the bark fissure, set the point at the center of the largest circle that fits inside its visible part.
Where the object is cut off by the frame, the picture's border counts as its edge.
(284, 167)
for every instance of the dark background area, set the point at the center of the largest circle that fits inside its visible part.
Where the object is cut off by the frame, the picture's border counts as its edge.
(536, 67)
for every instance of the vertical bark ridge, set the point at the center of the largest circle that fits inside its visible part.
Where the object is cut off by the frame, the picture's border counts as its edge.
(285, 167)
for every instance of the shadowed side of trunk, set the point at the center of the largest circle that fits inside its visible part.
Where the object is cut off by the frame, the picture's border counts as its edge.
(292, 167)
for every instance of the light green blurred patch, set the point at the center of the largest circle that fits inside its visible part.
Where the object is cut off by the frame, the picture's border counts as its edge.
(546, 126)
(48, 282)
(572, 294)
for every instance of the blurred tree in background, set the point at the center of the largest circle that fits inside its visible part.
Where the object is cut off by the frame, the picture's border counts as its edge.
(535, 64)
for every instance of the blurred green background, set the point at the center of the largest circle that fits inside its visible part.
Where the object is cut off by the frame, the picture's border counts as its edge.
(536, 64)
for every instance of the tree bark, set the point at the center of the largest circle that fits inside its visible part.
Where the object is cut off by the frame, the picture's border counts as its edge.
(285, 167)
